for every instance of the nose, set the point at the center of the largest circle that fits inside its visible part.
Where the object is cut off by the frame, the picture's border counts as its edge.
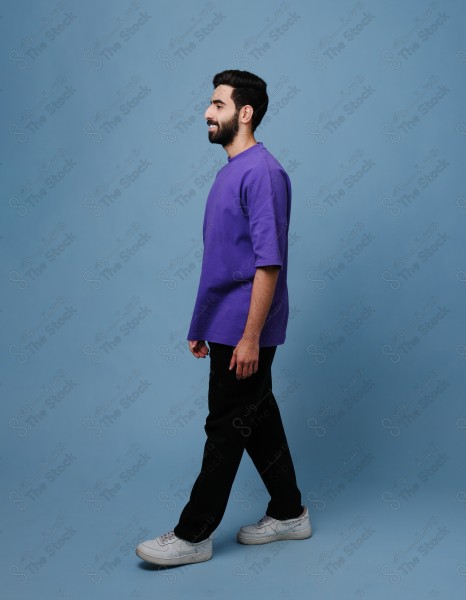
(207, 112)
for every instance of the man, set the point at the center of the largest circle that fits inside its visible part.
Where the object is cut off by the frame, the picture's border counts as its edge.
(241, 311)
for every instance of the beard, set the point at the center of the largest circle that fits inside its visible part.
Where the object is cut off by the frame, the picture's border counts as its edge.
(226, 132)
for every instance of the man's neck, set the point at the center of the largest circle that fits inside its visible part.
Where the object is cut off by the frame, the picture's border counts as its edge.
(240, 144)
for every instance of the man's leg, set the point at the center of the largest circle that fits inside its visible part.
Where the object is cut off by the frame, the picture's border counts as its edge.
(233, 411)
(268, 448)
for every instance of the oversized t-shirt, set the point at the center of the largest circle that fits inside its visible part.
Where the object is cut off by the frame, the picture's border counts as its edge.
(246, 224)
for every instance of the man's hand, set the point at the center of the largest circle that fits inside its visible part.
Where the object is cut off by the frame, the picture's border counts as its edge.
(198, 348)
(246, 357)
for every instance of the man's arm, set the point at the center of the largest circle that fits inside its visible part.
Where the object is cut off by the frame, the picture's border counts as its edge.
(246, 353)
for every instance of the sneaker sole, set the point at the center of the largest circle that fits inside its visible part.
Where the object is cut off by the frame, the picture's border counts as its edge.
(285, 535)
(182, 560)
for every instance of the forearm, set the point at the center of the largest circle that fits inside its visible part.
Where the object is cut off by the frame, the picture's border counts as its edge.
(263, 289)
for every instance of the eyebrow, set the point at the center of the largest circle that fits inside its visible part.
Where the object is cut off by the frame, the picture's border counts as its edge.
(217, 102)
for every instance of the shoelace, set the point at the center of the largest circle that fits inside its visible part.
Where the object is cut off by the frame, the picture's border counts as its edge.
(167, 537)
(265, 519)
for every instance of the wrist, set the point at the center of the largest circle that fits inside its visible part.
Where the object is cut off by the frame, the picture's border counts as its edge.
(251, 337)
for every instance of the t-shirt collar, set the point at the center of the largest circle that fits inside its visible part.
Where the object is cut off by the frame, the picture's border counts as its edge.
(258, 144)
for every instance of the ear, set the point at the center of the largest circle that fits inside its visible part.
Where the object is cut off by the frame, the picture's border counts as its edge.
(247, 111)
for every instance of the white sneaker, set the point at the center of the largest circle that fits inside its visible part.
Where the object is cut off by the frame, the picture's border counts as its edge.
(168, 549)
(270, 530)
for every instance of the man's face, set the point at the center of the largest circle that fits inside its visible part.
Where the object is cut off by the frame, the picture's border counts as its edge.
(222, 116)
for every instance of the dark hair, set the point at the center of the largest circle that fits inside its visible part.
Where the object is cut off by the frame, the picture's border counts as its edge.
(248, 89)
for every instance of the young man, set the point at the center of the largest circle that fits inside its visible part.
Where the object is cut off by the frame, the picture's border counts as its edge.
(242, 311)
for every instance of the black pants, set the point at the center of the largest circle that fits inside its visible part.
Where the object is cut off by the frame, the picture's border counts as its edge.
(243, 415)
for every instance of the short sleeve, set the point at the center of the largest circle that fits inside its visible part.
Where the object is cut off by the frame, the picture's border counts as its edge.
(267, 198)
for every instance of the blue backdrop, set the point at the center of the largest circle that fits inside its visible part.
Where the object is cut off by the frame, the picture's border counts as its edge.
(106, 166)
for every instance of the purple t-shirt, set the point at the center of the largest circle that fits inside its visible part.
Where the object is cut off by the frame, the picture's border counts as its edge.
(246, 223)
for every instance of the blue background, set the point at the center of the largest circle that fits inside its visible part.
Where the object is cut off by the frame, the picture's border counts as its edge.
(106, 167)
